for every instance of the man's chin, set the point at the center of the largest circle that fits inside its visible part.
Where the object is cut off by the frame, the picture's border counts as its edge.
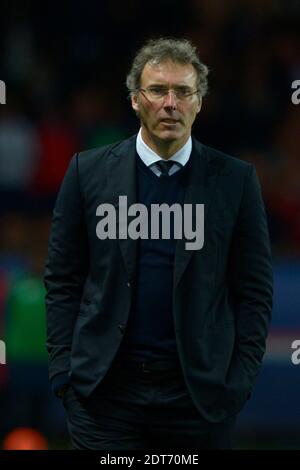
(169, 136)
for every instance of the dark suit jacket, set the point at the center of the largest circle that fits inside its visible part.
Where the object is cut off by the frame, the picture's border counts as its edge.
(222, 293)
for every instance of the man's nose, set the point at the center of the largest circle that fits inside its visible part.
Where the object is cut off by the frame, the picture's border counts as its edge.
(170, 100)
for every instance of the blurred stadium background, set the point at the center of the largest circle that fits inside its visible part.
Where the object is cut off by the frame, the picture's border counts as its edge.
(64, 65)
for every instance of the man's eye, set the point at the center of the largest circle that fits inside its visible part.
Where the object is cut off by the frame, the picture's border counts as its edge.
(158, 91)
(182, 91)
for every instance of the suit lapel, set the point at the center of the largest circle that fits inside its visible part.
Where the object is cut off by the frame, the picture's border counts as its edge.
(200, 190)
(122, 177)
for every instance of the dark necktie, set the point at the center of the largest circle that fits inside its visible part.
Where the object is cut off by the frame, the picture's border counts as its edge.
(165, 166)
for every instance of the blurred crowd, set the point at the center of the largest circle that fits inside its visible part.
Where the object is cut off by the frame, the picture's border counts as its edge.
(65, 68)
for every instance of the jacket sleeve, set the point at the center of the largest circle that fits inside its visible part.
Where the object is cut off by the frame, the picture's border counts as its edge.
(65, 271)
(251, 278)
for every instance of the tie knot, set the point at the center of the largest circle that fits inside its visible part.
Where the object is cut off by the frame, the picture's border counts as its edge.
(164, 167)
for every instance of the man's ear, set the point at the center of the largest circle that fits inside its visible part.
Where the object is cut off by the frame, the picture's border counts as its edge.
(135, 103)
(199, 104)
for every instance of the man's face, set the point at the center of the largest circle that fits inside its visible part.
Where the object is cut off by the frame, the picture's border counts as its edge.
(168, 119)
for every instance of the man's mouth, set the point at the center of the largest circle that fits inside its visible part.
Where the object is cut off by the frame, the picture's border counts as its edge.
(169, 121)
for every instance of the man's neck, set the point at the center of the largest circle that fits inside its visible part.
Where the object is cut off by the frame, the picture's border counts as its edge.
(164, 149)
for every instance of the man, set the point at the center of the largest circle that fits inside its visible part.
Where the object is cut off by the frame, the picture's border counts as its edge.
(153, 343)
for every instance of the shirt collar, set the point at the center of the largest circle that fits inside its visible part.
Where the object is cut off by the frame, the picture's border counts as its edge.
(148, 156)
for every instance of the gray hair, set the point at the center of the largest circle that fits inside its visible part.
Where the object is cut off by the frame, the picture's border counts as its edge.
(160, 50)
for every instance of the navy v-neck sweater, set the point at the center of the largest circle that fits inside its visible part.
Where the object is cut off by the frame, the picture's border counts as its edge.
(150, 331)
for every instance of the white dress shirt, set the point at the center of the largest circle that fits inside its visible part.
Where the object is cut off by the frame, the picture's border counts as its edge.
(149, 157)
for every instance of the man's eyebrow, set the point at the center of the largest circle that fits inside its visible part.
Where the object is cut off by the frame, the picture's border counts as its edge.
(183, 85)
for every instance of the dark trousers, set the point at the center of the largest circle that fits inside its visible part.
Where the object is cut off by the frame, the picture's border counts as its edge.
(142, 410)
